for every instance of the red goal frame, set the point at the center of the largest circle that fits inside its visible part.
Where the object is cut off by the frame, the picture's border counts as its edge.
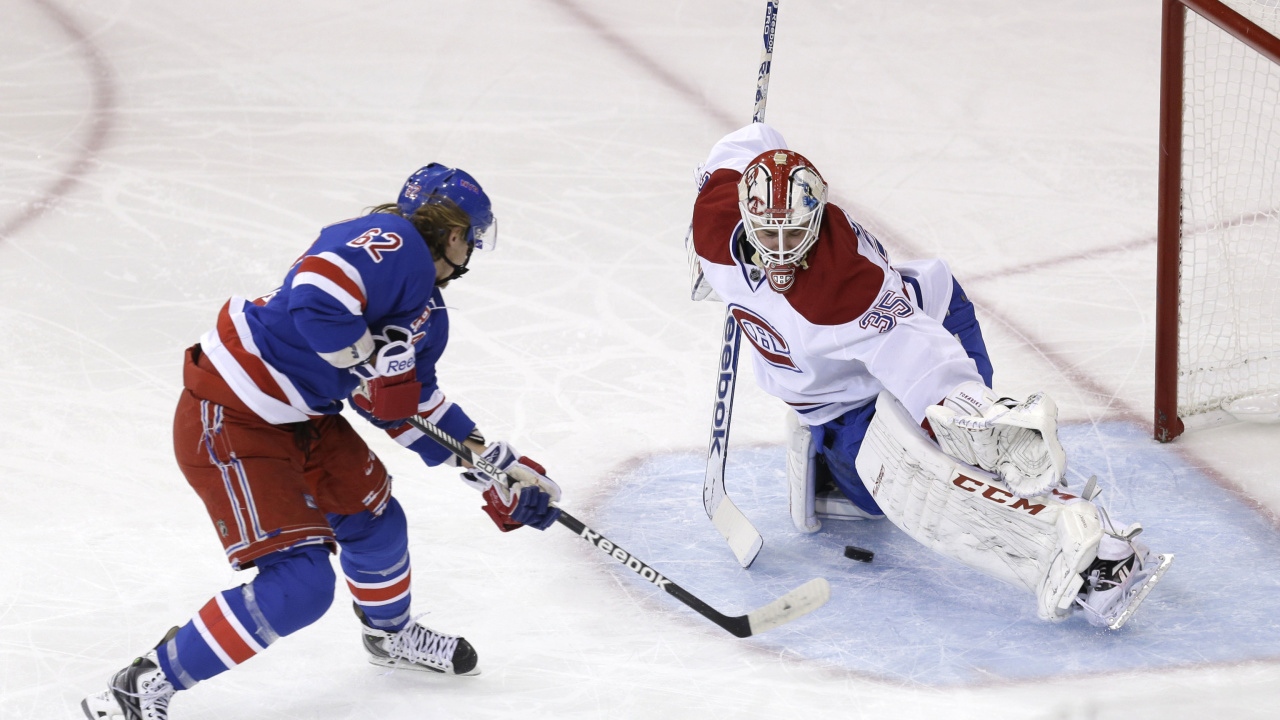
(1169, 229)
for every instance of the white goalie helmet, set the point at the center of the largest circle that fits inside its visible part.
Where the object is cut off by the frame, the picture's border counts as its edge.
(781, 196)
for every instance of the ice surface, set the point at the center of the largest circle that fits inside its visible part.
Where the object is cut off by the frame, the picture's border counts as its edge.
(914, 616)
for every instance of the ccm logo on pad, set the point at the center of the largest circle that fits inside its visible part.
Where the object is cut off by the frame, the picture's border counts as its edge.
(1001, 497)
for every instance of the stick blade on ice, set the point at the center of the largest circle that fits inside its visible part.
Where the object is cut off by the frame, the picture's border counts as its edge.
(744, 540)
(797, 603)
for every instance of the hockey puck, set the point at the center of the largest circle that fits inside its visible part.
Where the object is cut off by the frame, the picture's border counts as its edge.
(853, 552)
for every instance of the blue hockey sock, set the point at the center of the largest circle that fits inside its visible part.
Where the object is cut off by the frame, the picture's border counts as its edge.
(292, 590)
(842, 438)
(375, 560)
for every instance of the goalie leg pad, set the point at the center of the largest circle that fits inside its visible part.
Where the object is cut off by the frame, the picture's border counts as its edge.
(1079, 533)
(810, 503)
(1037, 543)
(801, 474)
(835, 506)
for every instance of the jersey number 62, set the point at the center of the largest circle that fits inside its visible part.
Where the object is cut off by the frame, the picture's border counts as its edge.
(375, 242)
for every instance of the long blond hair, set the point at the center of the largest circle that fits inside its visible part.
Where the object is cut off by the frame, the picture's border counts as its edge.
(434, 220)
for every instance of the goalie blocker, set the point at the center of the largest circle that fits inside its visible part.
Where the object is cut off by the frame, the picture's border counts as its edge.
(1048, 544)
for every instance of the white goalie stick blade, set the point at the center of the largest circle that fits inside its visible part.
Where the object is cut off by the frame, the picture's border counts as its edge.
(797, 603)
(743, 538)
(1140, 594)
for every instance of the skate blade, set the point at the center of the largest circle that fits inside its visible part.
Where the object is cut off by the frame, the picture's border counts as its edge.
(1141, 593)
(406, 665)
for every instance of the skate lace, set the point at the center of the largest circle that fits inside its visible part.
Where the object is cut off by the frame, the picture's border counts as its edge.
(1104, 576)
(152, 701)
(422, 645)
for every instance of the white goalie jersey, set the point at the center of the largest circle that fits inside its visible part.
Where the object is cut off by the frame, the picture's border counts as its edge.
(850, 326)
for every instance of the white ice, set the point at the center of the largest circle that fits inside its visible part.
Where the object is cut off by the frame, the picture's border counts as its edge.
(158, 157)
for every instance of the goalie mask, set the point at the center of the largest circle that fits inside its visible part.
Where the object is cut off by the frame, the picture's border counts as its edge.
(781, 197)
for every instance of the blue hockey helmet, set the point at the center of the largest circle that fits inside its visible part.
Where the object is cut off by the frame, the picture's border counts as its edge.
(463, 190)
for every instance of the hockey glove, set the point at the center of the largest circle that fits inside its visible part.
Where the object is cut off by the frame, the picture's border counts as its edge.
(526, 500)
(1016, 441)
(383, 424)
(389, 389)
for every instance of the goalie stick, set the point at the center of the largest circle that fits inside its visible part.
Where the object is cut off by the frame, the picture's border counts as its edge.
(800, 601)
(743, 538)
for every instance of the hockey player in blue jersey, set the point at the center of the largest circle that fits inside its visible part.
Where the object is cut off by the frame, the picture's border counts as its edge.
(287, 481)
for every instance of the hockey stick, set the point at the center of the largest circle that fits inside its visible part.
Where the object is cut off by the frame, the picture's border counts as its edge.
(743, 538)
(798, 602)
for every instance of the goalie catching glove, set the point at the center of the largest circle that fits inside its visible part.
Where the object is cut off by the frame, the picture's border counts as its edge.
(1016, 441)
(389, 389)
(526, 501)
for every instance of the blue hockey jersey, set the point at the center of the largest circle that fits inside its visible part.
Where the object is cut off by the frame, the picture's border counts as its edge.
(359, 275)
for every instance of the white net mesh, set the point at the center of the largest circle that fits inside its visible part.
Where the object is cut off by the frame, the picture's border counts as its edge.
(1229, 317)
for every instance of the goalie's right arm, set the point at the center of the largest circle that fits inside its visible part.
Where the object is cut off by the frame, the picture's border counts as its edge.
(1017, 441)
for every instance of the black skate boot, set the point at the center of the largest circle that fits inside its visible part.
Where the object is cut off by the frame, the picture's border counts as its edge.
(418, 648)
(138, 692)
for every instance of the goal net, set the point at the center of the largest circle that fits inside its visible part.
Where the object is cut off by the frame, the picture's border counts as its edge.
(1218, 286)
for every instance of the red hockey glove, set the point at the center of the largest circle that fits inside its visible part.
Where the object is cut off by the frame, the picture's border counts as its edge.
(389, 389)
(527, 501)
(499, 510)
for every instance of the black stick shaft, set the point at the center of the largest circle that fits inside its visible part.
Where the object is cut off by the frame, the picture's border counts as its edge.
(739, 626)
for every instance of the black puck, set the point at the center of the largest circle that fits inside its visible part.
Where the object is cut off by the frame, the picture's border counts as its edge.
(853, 552)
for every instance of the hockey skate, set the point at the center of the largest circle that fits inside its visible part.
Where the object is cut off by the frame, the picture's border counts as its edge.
(419, 648)
(1117, 582)
(138, 692)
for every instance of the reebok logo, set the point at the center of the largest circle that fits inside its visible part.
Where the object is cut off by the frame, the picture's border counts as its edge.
(395, 367)
(625, 558)
(724, 388)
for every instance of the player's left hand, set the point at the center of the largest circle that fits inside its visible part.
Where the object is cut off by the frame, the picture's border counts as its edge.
(527, 500)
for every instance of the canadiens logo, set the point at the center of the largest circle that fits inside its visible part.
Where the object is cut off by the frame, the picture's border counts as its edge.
(781, 279)
(767, 341)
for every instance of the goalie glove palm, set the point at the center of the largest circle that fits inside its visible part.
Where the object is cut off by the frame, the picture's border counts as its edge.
(1017, 441)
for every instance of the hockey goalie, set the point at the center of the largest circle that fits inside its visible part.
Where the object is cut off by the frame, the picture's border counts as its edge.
(887, 375)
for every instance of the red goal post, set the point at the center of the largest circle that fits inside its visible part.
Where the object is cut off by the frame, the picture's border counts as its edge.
(1218, 253)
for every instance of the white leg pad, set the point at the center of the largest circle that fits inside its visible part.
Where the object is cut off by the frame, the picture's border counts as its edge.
(1079, 531)
(1040, 544)
(801, 475)
(835, 506)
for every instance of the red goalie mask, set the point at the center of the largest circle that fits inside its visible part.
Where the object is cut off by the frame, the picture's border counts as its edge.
(781, 197)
